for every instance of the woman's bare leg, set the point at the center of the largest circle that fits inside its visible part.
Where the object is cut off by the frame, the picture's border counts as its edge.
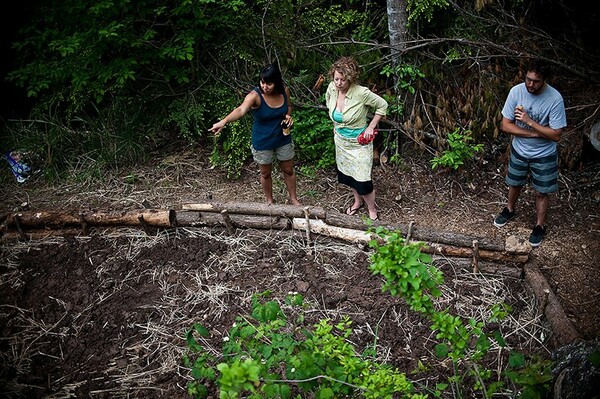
(370, 200)
(289, 177)
(266, 181)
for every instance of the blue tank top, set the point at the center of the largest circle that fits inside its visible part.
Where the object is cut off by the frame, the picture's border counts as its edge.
(267, 133)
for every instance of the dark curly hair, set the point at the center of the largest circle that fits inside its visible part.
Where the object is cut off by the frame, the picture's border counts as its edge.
(540, 67)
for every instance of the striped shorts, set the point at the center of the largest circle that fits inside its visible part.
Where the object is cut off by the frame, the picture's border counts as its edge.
(544, 172)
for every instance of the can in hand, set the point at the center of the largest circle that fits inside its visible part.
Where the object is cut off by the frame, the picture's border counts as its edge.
(286, 129)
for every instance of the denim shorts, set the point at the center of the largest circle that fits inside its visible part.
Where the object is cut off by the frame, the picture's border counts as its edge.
(265, 157)
(544, 172)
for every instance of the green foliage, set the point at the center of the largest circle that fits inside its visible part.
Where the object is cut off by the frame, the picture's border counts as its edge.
(232, 147)
(534, 376)
(313, 138)
(594, 358)
(406, 271)
(89, 50)
(395, 105)
(424, 9)
(397, 160)
(409, 273)
(188, 116)
(271, 354)
(122, 72)
(406, 75)
(177, 59)
(460, 150)
(239, 376)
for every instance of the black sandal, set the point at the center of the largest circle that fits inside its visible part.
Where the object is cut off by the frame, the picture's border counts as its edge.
(353, 211)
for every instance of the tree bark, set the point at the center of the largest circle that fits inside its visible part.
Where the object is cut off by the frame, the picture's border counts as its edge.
(343, 233)
(562, 328)
(418, 233)
(149, 217)
(345, 221)
(397, 29)
(194, 218)
(247, 208)
(496, 256)
(361, 237)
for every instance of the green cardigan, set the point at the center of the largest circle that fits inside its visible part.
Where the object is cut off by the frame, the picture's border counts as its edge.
(359, 101)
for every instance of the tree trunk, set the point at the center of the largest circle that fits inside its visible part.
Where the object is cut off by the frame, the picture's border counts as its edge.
(341, 220)
(278, 217)
(397, 29)
(398, 33)
(462, 252)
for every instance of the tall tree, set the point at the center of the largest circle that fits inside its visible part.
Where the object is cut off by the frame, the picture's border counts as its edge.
(398, 28)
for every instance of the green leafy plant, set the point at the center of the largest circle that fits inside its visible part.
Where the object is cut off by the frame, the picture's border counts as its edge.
(424, 9)
(396, 159)
(395, 105)
(534, 376)
(271, 354)
(460, 150)
(406, 76)
(86, 144)
(407, 272)
(313, 138)
(232, 147)
(188, 115)
(410, 274)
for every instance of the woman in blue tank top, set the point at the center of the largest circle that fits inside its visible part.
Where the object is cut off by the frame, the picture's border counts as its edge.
(270, 106)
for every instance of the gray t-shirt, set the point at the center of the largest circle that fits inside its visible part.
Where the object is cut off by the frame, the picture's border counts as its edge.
(546, 108)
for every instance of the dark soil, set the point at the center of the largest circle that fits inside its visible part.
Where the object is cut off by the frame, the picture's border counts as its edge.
(105, 315)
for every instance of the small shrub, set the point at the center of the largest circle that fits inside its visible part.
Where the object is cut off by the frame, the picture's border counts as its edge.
(313, 137)
(460, 150)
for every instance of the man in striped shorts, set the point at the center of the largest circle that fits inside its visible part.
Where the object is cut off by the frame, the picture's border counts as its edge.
(534, 115)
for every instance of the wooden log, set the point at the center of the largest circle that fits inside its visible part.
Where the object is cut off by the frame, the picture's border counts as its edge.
(194, 218)
(562, 328)
(342, 233)
(151, 217)
(465, 265)
(249, 208)
(362, 237)
(462, 252)
(417, 233)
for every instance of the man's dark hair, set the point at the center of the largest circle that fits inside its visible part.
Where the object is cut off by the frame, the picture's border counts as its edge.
(540, 67)
(271, 74)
